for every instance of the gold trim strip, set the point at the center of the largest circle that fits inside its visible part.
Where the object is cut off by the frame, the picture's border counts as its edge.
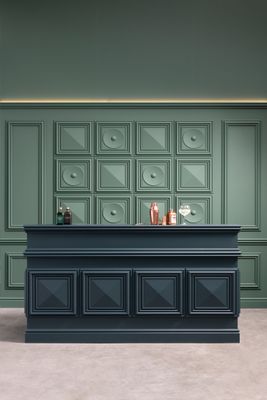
(133, 101)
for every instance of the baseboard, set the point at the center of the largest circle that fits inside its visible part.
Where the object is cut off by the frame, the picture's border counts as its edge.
(253, 302)
(149, 336)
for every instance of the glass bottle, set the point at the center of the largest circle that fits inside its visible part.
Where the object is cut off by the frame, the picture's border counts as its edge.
(60, 216)
(171, 217)
(67, 216)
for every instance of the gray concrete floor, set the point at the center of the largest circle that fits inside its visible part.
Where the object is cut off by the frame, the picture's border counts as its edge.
(134, 371)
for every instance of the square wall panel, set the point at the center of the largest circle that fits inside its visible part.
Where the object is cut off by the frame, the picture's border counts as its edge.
(16, 264)
(194, 175)
(153, 138)
(250, 273)
(73, 175)
(105, 292)
(194, 138)
(52, 292)
(201, 209)
(114, 210)
(159, 292)
(113, 175)
(143, 207)
(73, 137)
(113, 137)
(213, 292)
(80, 208)
(153, 175)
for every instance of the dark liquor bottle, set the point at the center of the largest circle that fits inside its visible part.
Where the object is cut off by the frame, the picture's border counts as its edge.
(67, 216)
(60, 216)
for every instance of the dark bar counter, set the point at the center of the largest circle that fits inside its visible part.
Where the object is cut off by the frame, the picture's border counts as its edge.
(132, 283)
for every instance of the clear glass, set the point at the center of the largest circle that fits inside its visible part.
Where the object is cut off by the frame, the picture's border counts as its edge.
(184, 210)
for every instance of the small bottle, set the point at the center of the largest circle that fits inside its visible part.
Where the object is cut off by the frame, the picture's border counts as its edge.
(164, 220)
(60, 216)
(67, 216)
(171, 217)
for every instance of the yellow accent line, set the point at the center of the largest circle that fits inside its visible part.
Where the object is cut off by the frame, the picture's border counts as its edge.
(178, 101)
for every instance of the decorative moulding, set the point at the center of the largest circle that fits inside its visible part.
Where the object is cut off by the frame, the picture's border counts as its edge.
(133, 103)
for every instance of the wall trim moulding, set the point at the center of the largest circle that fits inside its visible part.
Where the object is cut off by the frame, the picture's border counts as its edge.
(132, 103)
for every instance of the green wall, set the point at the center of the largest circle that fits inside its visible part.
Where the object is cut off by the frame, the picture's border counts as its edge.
(108, 163)
(133, 49)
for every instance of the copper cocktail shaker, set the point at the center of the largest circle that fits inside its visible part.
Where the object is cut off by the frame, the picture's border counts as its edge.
(154, 214)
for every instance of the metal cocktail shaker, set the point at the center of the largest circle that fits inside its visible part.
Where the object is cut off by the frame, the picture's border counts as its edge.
(154, 214)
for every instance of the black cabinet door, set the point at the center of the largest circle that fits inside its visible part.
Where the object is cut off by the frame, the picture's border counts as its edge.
(213, 292)
(159, 291)
(52, 292)
(105, 292)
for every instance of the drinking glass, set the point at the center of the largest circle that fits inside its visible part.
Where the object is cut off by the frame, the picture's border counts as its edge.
(184, 210)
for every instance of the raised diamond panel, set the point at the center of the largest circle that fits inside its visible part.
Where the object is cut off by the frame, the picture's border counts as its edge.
(73, 175)
(213, 292)
(159, 292)
(113, 137)
(80, 207)
(153, 138)
(113, 175)
(194, 138)
(194, 175)
(52, 292)
(73, 137)
(105, 292)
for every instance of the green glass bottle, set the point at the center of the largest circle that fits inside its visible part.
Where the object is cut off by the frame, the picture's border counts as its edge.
(60, 216)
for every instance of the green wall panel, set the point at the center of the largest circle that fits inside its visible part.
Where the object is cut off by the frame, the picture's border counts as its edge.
(143, 207)
(201, 209)
(109, 163)
(80, 207)
(242, 173)
(24, 183)
(194, 138)
(114, 210)
(13, 265)
(74, 175)
(250, 266)
(113, 175)
(253, 275)
(73, 138)
(113, 138)
(153, 138)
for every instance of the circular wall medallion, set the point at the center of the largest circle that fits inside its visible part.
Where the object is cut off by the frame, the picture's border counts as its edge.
(73, 176)
(194, 138)
(153, 175)
(196, 215)
(113, 213)
(113, 138)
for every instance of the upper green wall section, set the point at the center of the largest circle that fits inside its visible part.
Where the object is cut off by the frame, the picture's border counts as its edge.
(133, 49)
